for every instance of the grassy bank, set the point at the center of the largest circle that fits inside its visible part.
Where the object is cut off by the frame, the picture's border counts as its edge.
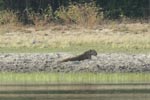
(91, 78)
(72, 29)
(131, 38)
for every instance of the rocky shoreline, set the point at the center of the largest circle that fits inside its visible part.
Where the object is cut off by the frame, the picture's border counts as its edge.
(49, 62)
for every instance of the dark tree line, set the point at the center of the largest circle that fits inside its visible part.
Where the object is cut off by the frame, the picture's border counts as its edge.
(111, 8)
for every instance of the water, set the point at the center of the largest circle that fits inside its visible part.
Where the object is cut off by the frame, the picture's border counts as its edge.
(74, 92)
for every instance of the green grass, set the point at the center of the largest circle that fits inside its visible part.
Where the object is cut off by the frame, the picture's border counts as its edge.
(89, 78)
(76, 49)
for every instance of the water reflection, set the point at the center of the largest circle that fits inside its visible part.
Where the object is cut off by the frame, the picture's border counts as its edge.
(75, 92)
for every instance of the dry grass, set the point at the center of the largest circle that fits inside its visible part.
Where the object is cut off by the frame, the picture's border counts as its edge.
(107, 37)
(86, 15)
(7, 17)
(134, 28)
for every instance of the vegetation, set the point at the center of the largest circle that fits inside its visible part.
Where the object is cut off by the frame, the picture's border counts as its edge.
(47, 34)
(111, 8)
(132, 38)
(7, 17)
(85, 12)
(90, 14)
(99, 78)
(57, 26)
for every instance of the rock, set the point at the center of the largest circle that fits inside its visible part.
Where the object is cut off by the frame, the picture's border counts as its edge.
(48, 62)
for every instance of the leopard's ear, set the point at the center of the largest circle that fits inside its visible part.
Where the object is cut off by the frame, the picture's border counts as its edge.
(91, 50)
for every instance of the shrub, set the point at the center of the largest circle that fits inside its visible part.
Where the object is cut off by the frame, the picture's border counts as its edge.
(29, 17)
(44, 16)
(81, 14)
(7, 17)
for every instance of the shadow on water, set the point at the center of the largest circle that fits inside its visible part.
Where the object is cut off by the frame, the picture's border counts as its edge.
(75, 92)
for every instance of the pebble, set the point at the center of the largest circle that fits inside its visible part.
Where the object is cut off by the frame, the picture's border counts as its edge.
(49, 62)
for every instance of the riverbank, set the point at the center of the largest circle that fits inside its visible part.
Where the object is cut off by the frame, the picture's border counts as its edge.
(49, 62)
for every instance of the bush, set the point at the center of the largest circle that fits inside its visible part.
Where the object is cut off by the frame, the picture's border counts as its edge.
(81, 14)
(41, 17)
(7, 17)
(44, 16)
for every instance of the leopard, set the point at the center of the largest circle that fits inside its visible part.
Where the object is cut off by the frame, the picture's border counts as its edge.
(86, 55)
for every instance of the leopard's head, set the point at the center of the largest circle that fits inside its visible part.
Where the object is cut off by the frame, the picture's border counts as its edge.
(91, 52)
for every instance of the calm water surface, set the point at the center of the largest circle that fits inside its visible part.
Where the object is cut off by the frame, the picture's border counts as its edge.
(74, 92)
